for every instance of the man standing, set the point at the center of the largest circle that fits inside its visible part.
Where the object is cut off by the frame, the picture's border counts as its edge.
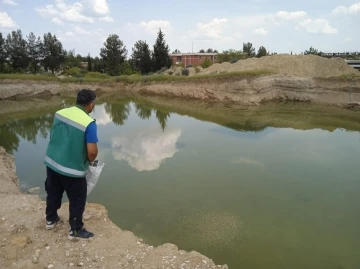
(72, 147)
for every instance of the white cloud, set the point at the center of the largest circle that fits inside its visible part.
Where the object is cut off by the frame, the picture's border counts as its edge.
(318, 26)
(6, 21)
(57, 21)
(101, 116)
(69, 34)
(290, 16)
(209, 31)
(106, 19)
(261, 31)
(146, 150)
(246, 161)
(153, 26)
(65, 12)
(99, 7)
(10, 2)
(353, 9)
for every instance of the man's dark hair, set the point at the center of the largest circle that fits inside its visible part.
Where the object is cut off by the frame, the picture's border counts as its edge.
(85, 97)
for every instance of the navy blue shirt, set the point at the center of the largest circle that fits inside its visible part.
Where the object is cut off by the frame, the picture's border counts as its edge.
(91, 133)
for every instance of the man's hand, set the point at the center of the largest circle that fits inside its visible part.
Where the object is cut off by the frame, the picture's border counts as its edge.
(92, 151)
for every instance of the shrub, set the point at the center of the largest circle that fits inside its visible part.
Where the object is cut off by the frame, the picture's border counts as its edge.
(177, 74)
(233, 60)
(185, 72)
(207, 62)
(171, 72)
(197, 70)
(96, 75)
(74, 72)
(159, 72)
(163, 69)
(189, 65)
(150, 74)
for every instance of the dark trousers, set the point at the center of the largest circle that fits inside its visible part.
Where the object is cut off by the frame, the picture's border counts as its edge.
(76, 191)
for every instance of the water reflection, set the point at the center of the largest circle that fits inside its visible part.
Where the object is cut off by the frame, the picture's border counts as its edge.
(27, 129)
(101, 115)
(147, 149)
(119, 112)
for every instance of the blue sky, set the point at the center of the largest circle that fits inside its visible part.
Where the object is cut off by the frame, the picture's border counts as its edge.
(280, 25)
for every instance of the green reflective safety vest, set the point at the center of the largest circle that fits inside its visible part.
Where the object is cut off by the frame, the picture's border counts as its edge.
(67, 151)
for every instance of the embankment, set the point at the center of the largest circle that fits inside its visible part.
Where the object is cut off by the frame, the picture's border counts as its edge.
(24, 242)
(244, 90)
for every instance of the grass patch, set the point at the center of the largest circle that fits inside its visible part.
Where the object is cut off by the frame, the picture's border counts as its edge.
(133, 78)
(29, 77)
(349, 76)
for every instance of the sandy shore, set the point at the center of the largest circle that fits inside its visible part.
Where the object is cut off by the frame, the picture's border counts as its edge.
(24, 242)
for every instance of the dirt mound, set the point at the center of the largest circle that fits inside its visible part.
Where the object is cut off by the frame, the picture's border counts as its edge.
(290, 65)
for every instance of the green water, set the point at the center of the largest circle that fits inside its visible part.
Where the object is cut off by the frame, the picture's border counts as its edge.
(277, 188)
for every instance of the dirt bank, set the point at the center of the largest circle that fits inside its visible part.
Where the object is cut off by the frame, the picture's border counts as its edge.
(24, 243)
(248, 90)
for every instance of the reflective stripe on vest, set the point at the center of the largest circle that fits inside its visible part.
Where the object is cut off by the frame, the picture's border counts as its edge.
(63, 168)
(75, 117)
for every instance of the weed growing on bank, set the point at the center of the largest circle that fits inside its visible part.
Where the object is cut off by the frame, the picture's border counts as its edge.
(132, 78)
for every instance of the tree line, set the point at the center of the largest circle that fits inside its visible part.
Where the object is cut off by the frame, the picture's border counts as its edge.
(33, 54)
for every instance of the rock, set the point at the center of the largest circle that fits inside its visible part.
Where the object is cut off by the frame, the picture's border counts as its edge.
(71, 264)
(86, 217)
(3, 219)
(50, 266)
(48, 247)
(204, 262)
(67, 253)
(36, 256)
(34, 191)
(80, 264)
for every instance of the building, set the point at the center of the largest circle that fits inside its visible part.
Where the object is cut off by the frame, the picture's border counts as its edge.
(192, 58)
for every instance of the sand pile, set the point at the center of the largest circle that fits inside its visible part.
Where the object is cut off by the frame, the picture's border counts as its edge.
(290, 65)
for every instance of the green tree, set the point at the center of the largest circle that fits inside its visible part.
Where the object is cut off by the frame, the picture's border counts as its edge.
(249, 49)
(3, 53)
(141, 57)
(261, 52)
(161, 57)
(143, 111)
(34, 49)
(206, 63)
(99, 65)
(162, 118)
(202, 51)
(215, 51)
(113, 54)
(16, 49)
(230, 55)
(119, 112)
(312, 51)
(89, 60)
(53, 53)
(71, 61)
(176, 51)
(210, 50)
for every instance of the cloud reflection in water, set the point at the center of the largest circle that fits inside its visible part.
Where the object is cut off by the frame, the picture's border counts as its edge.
(146, 150)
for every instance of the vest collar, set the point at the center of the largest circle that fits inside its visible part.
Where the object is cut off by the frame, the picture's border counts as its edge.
(82, 109)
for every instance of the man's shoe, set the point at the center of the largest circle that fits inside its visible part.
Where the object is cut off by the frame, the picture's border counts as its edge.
(51, 224)
(80, 234)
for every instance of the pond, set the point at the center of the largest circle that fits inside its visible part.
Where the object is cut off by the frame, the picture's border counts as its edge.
(275, 186)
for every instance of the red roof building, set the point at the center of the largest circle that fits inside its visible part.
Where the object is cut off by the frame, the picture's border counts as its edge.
(192, 58)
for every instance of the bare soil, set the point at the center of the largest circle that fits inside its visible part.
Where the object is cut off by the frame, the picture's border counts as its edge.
(289, 65)
(24, 242)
